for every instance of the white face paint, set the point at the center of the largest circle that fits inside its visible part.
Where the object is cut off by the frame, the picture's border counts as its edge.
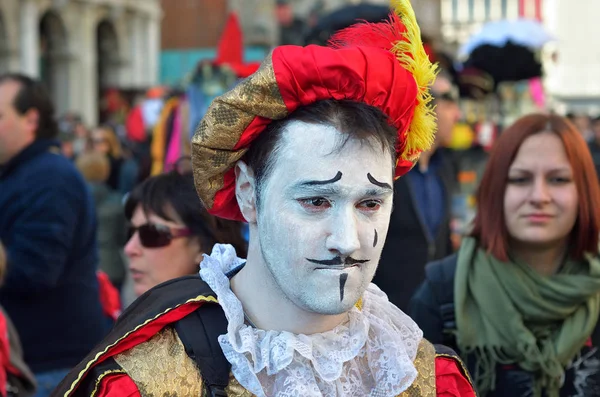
(323, 202)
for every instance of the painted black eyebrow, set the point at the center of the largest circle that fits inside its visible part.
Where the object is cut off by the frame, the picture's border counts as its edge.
(377, 183)
(336, 178)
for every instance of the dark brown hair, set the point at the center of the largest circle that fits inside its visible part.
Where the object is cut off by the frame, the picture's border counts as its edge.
(489, 224)
(356, 120)
(175, 191)
(33, 95)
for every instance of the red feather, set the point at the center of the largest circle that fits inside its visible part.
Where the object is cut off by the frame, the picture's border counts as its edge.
(366, 34)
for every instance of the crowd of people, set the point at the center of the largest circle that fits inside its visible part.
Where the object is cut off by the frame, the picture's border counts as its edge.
(301, 243)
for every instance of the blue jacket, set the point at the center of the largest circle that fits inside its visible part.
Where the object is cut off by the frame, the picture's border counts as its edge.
(48, 226)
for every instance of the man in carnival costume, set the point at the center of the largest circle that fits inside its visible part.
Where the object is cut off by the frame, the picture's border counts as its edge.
(306, 151)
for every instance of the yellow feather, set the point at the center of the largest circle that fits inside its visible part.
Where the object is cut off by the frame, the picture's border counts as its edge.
(411, 54)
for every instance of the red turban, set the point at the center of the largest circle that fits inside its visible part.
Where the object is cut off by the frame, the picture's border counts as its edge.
(383, 65)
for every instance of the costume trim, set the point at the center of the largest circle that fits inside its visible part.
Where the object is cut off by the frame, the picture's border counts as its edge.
(102, 376)
(96, 359)
(372, 352)
(462, 367)
(223, 136)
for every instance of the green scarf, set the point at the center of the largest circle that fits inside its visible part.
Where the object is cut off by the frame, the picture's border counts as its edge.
(507, 313)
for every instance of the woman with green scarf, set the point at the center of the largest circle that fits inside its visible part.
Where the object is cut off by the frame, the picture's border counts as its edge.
(521, 298)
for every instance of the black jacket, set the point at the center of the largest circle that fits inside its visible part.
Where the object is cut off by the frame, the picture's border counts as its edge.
(48, 226)
(432, 307)
(409, 246)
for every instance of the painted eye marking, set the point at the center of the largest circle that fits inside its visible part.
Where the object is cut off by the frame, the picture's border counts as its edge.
(377, 183)
(336, 178)
(375, 238)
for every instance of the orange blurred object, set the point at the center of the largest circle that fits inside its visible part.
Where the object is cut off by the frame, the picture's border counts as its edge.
(155, 92)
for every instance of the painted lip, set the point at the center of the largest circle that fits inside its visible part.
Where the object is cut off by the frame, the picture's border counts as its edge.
(538, 217)
(336, 267)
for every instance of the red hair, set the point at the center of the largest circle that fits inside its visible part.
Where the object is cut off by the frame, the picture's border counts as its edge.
(489, 225)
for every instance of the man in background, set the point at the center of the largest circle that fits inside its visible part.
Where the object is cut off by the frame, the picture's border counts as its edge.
(420, 224)
(48, 225)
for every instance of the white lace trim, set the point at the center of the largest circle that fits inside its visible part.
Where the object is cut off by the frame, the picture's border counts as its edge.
(370, 355)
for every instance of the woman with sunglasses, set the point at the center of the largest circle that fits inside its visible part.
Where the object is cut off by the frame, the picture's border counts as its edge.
(170, 230)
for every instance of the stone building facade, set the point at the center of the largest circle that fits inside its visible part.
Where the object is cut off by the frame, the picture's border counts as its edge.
(78, 47)
(573, 61)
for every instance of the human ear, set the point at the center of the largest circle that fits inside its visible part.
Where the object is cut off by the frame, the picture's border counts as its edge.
(31, 119)
(245, 191)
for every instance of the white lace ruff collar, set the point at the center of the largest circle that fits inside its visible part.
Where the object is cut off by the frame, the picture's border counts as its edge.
(370, 355)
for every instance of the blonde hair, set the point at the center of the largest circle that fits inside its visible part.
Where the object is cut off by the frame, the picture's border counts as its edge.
(114, 145)
(94, 167)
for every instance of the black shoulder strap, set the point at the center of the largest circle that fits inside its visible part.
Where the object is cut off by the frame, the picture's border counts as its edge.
(151, 306)
(199, 332)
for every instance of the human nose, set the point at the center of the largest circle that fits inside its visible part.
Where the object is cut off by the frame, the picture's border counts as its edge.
(343, 239)
(133, 246)
(540, 193)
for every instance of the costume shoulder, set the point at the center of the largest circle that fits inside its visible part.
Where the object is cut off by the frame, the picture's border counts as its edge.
(440, 373)
(452, 376)
(161, 306)
(160, 366)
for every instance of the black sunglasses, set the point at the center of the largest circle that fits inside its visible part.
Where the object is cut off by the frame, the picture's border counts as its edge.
(448, 96)
(155, 236)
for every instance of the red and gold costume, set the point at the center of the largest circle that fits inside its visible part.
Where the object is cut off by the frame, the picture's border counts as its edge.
(144, 355)
(383, 65)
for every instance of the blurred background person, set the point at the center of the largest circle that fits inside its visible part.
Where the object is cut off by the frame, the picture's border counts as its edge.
(583, 123)
(105, 141)
(420, 225)
(74, 136)
(67, 145)
(594, 144)
(95, 168)
(123, 170)
(48, 226)
(171, 229)
(520, 301)
(82, 141)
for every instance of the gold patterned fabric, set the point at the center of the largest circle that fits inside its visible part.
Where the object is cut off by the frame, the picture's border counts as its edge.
(160, 367)
(227, 118)
(234, 389)
(424, 385)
